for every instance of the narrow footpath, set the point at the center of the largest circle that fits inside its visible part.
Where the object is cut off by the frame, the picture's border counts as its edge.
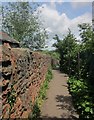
(58, 104)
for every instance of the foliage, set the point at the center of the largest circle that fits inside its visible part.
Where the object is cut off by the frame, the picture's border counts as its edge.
(82, 99)
(11, 97)
(77, 60)
(42, 95)
(20, 22)
(54, 54)
(35, 112)
(66, 48)
(87, 53)
(55, 57)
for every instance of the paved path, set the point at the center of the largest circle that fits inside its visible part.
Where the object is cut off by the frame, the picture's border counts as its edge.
(58, 105)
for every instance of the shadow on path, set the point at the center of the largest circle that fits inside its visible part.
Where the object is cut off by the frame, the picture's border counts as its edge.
(65, 103)
(55, 118)
(58, 105)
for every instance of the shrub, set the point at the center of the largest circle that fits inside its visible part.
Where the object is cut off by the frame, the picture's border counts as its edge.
(82, 100)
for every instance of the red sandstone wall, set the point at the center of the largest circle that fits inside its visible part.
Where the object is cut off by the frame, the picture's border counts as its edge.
(23, 72)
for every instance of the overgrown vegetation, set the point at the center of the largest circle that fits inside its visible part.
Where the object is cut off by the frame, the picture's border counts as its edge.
(82, 98)
(11, 97)
(77, 60)
(53, 53)
(42, 95)
(55, 57)
(21, 21)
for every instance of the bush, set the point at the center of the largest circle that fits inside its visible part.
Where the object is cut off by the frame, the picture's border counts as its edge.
(77, 60)
(82, 99)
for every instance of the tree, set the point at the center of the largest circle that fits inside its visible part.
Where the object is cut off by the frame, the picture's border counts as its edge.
(77, 60)
(20, 22)
(87, 54)
(66, 48)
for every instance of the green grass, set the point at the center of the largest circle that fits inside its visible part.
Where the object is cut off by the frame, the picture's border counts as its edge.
(42, 96)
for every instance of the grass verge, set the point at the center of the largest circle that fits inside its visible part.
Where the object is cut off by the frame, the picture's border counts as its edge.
(42, 96)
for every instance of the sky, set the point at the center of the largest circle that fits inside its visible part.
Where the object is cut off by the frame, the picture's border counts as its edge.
(61, 15)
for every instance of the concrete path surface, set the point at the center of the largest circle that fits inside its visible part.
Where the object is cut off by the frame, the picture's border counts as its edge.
(58, 105)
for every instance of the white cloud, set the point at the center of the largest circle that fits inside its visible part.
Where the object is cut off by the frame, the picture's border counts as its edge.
(81, 0)
(53, 3)
(59, 1)
(56, 23)
(79, 3)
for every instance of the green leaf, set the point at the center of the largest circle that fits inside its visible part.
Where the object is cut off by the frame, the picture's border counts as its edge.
(87, 109)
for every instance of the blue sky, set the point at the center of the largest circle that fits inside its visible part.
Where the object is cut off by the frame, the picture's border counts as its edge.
(64, 7)
(69, 10)
(59, 16)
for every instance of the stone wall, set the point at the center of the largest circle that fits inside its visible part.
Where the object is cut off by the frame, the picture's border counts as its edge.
(23, 72)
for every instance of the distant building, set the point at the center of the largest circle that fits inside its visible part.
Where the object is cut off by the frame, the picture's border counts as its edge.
(8, 41)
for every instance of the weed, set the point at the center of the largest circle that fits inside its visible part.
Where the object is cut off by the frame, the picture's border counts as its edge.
(42, 95)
